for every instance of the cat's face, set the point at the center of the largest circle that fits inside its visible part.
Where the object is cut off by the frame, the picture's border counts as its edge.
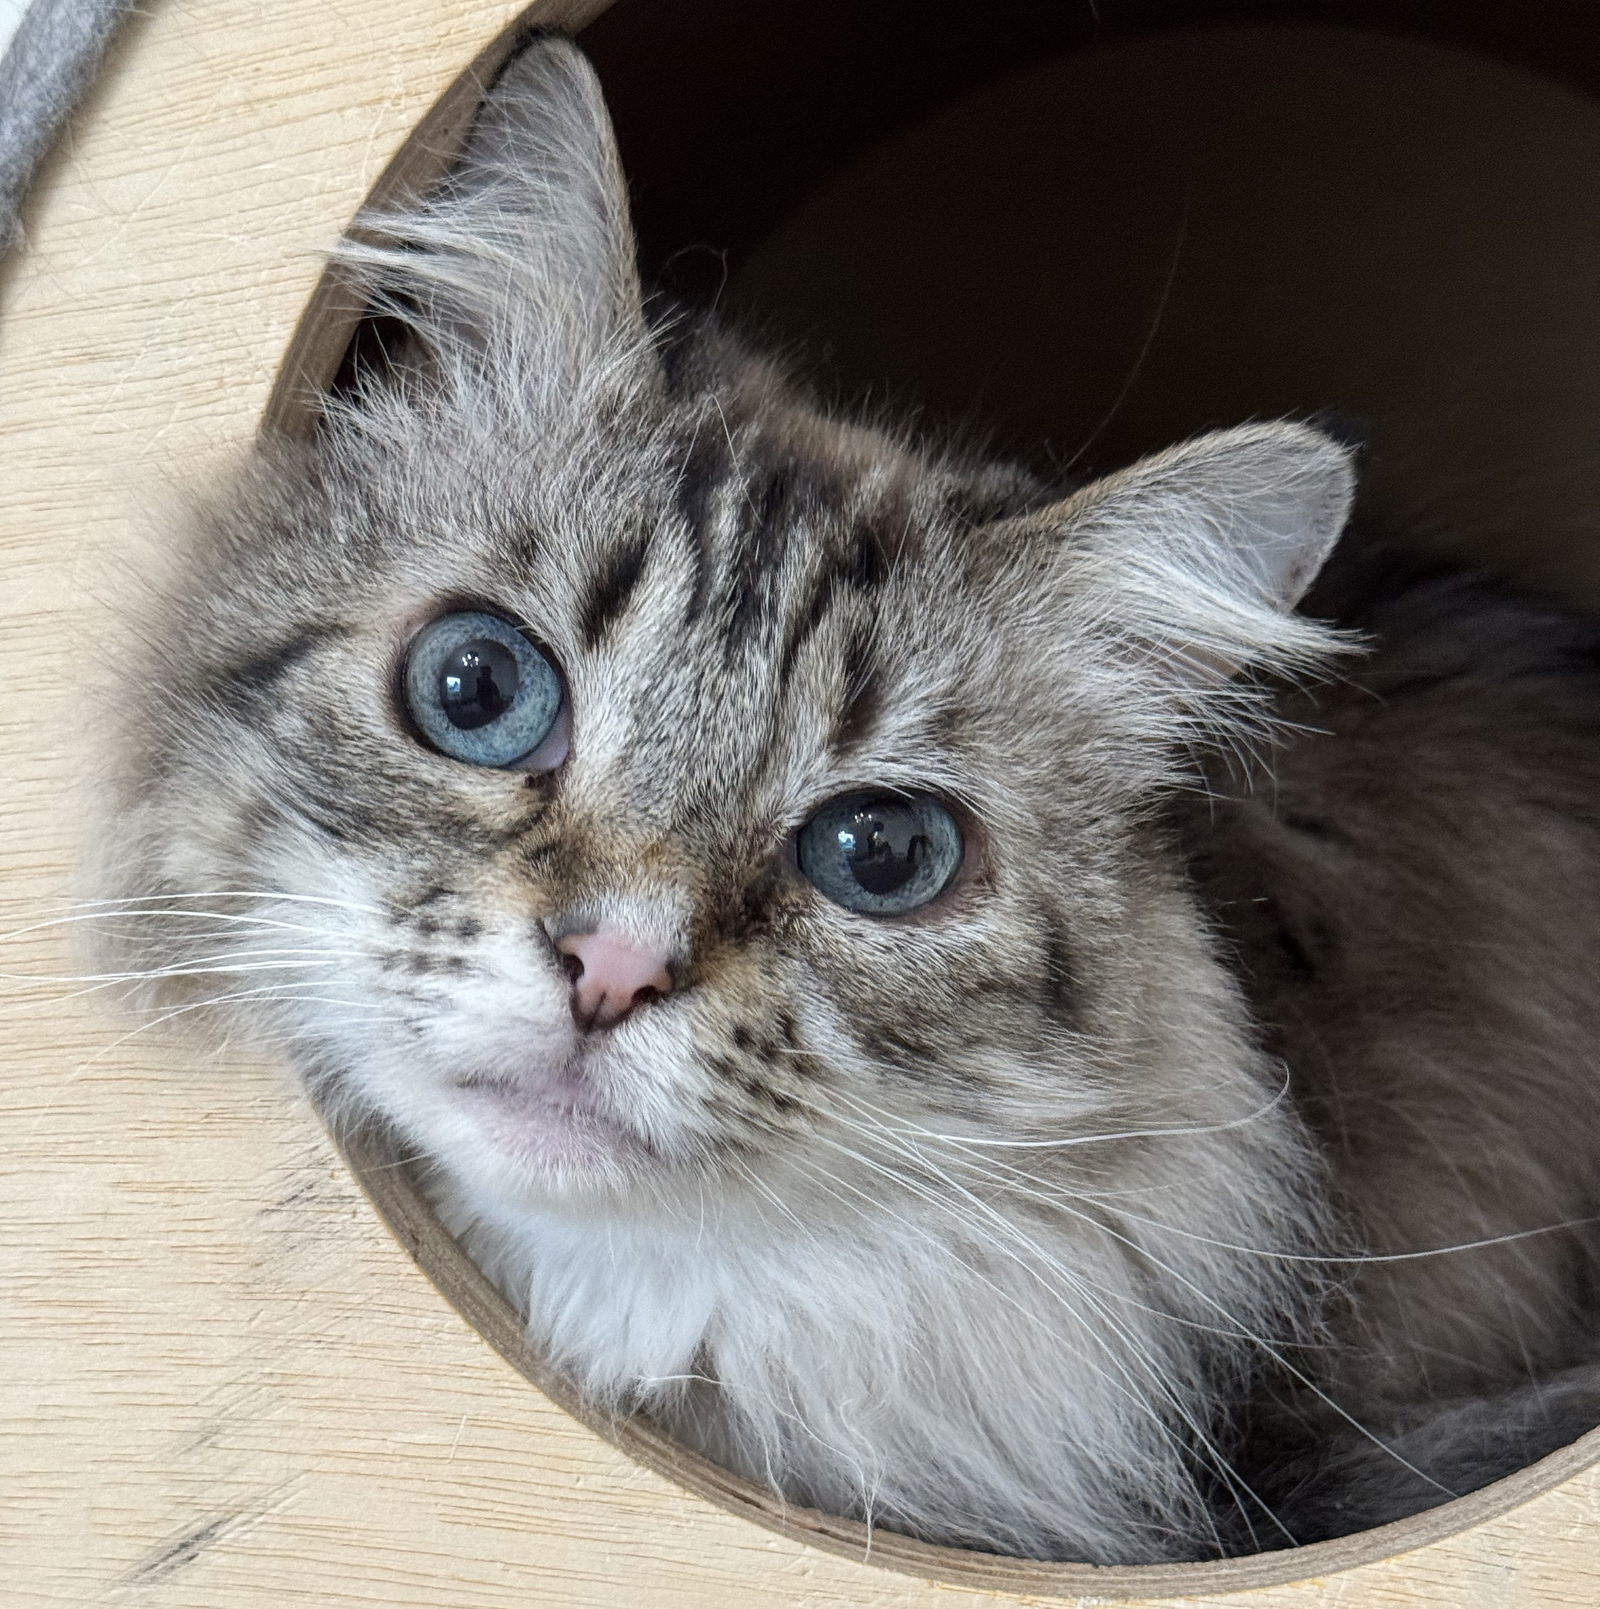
(746, 624)
(797, 796)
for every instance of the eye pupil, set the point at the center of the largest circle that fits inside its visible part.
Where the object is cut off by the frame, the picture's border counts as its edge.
(478, 684)
(879, 863)
(881, 854)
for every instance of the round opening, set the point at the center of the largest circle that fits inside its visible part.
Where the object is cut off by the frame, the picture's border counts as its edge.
(1092, 235)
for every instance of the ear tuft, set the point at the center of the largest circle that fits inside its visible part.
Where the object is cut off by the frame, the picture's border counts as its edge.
(541, 164)
(1255, 510)
(526, 248)
(1189, 564)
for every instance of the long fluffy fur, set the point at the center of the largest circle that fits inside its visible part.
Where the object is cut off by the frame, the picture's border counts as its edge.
(983, 1225)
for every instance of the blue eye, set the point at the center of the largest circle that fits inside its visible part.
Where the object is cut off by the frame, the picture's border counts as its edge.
(479, 691)
(880, 854)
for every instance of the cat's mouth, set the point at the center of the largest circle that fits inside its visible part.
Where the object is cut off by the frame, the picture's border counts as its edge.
(555, 1124)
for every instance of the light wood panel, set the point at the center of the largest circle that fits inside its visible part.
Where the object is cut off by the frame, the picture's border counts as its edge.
(224, 1383)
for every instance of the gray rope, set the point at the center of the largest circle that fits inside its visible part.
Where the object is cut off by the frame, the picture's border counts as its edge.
(54, 58)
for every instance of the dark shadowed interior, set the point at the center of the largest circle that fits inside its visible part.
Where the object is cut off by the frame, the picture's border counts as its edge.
(1081, 231)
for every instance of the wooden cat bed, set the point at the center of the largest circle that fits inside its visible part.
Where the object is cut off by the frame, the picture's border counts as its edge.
(226, 1382)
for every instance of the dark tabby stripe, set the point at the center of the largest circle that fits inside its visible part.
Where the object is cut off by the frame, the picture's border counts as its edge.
(862, 567)
(1062, 990)
(863, 692)
(779, 500)
(704, 467)
(613, 587)
(245, 683)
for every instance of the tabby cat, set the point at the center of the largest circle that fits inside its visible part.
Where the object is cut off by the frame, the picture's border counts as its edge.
(951, 993)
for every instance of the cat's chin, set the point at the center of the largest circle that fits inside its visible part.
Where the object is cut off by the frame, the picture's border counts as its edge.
(549, 1140)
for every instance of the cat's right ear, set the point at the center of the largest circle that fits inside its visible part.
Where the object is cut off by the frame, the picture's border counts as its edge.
(541, 172)
(527, 247)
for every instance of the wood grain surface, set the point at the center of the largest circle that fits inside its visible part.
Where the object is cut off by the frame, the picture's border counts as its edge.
(224, 1383)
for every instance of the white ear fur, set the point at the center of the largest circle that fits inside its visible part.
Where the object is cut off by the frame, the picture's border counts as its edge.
(541, 168)
(1258, 508)
(1206, 548)
(527, 248)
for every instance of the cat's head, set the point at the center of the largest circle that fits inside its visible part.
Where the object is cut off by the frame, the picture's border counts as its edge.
(631, 783)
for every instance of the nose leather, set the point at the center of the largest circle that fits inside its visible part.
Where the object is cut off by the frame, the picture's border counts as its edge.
(611, 975)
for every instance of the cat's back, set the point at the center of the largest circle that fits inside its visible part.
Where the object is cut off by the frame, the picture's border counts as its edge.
(1410, 886)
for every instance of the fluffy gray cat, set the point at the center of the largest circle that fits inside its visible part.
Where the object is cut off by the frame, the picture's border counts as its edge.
(781, 879)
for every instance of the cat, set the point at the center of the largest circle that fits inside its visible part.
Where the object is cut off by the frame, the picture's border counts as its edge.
(1409, 889)
(934, 986)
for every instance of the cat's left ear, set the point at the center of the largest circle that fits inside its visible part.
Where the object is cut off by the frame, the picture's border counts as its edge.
(528, 245)
(1202, 551)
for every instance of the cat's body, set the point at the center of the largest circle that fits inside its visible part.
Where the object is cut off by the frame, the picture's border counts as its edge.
(1409, 882)
(949, 1180)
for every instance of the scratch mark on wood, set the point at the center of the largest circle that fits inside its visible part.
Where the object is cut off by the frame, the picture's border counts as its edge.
(183, 1549)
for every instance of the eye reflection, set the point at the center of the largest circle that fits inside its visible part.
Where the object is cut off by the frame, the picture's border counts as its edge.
(880, 854)
(478, 684)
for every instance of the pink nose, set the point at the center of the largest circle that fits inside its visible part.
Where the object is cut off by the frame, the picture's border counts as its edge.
(611, 975)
